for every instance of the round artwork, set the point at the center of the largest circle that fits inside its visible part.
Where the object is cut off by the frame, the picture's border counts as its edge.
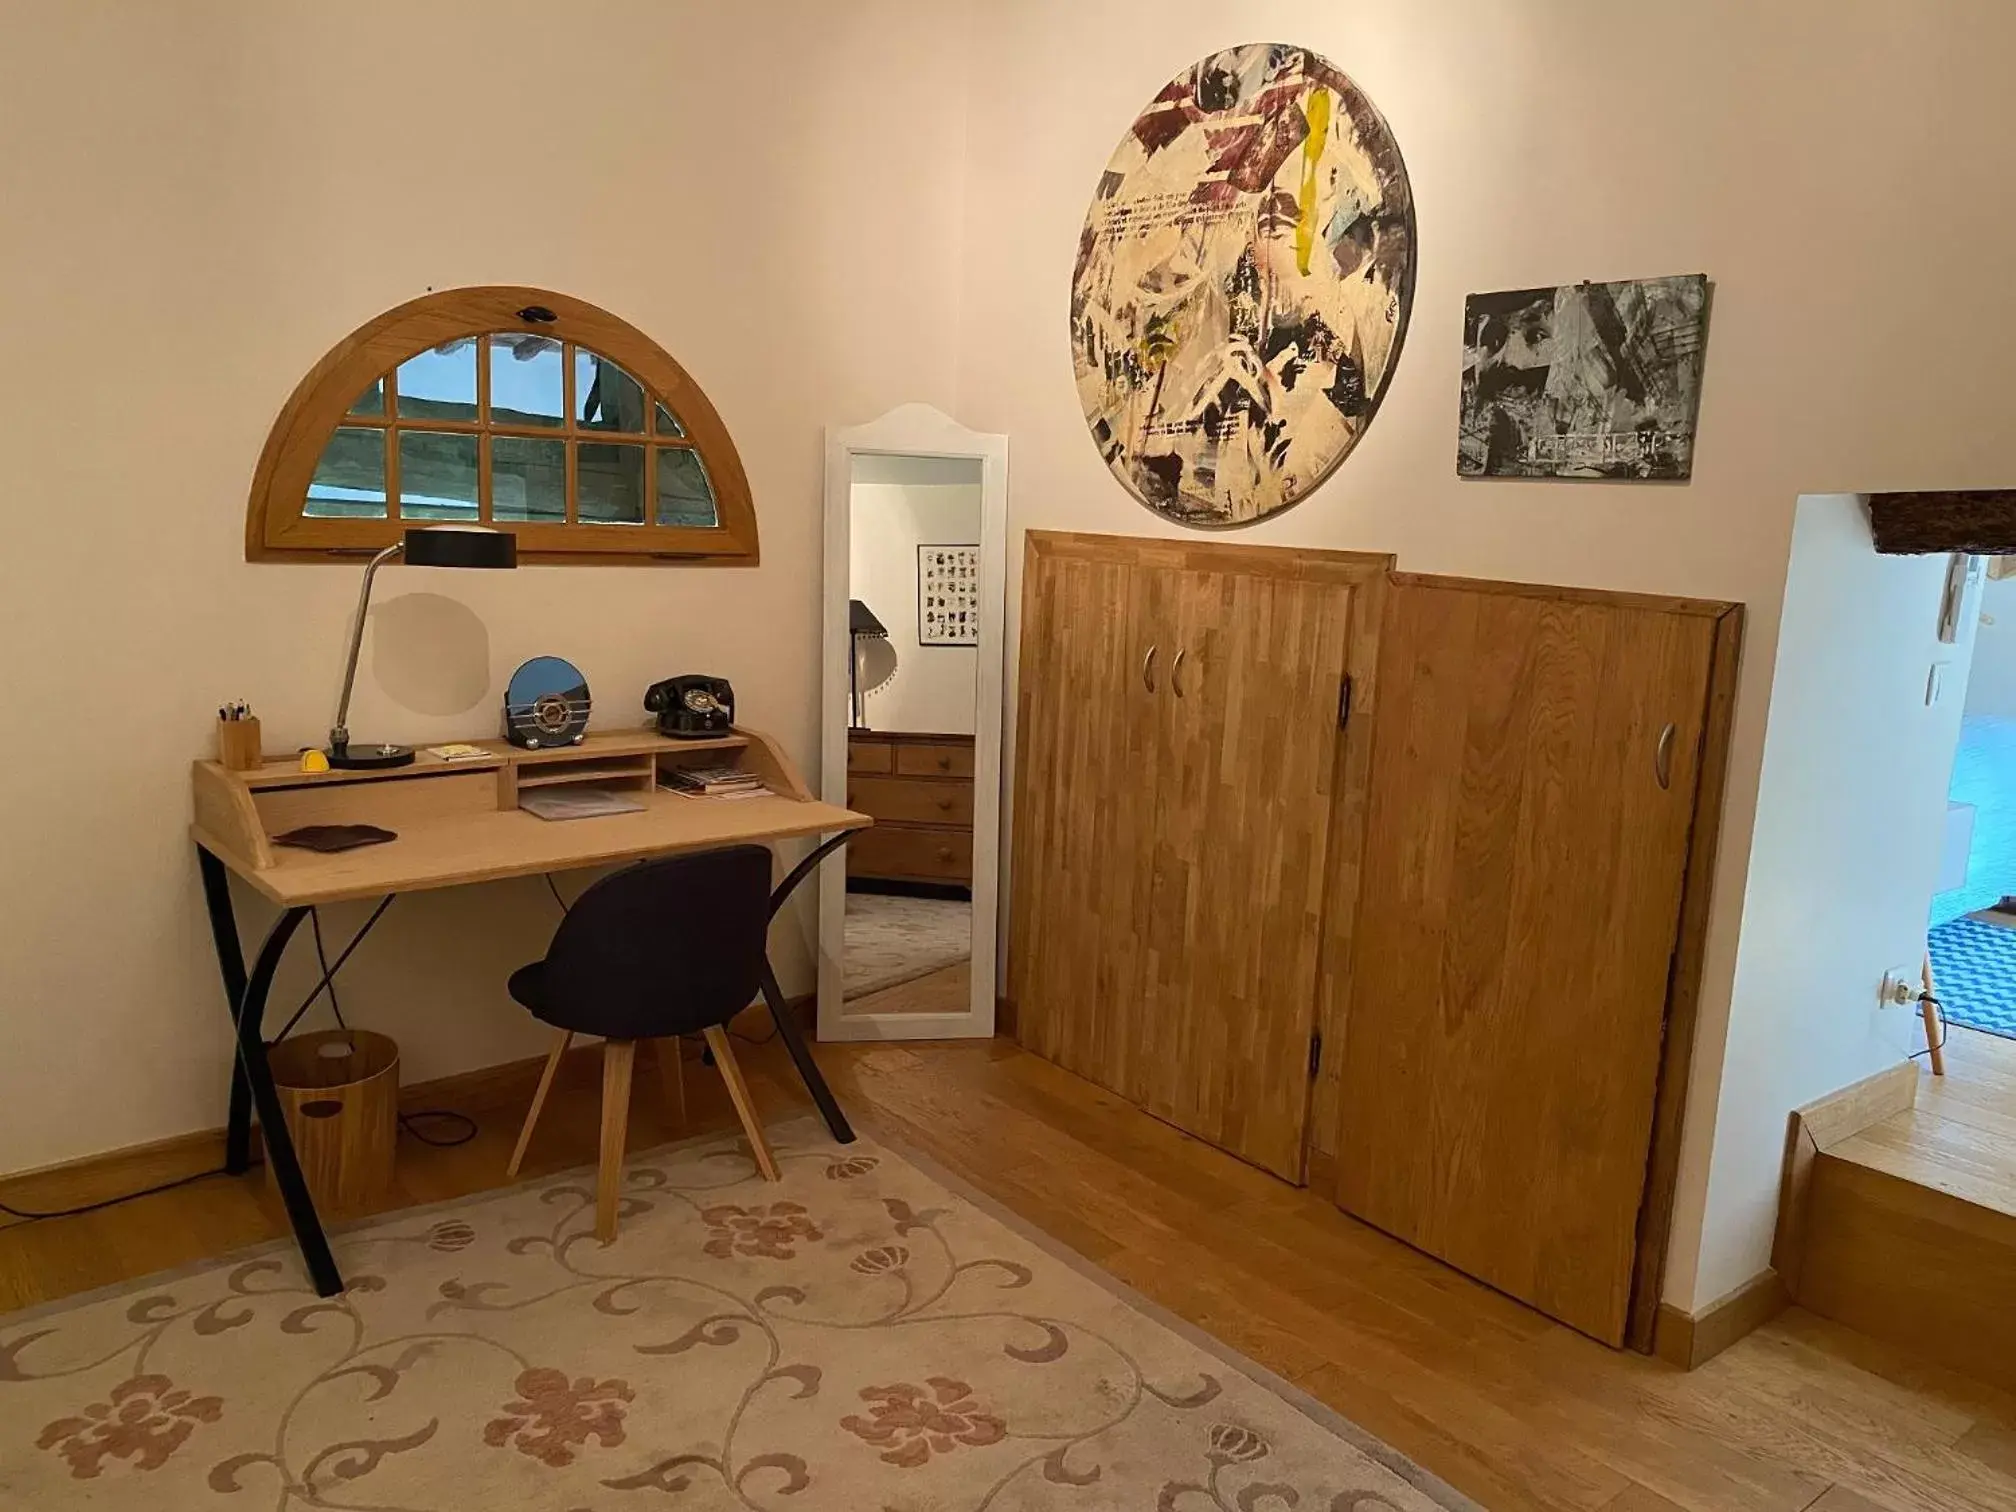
(1242, 285)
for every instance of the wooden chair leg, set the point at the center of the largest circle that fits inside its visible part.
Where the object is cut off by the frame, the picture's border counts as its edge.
(618, 1058)
(1934, 1025)
(563, 1038)
(672, 1077)
(745, 1106)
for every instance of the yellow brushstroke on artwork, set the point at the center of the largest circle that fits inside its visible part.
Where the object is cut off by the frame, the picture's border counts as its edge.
(1312, 153)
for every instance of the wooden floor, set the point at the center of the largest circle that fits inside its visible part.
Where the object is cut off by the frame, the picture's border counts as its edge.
(1911, 1222)
(1515, 1410)
(1961, 1137)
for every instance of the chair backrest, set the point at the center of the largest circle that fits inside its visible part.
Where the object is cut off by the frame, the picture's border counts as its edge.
(669, 946)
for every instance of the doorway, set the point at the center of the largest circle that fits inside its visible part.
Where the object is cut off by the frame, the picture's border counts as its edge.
(1972, 936)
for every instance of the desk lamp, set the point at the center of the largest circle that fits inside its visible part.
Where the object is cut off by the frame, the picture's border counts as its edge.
(861, 624)
(423, 546)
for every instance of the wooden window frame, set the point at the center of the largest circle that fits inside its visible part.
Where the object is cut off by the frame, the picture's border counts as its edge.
(278, 530)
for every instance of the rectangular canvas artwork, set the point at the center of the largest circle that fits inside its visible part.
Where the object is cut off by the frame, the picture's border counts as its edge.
(948, 595)
(1592, 380)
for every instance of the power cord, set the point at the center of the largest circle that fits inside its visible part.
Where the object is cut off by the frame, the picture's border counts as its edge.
(27, 1216)
(410, 1122)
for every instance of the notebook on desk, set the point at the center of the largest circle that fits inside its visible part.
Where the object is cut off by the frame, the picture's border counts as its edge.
(578, 803)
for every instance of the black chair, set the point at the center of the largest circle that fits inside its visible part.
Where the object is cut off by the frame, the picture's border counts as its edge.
(661, 949)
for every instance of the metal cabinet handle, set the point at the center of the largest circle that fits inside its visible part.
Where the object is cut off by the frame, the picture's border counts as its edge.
(1662, 763)
(1176, 671)
(1148, 670)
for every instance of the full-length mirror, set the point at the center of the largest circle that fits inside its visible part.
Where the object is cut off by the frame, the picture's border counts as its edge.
(914, 623)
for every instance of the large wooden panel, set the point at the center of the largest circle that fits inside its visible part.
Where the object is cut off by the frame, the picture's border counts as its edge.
(1080, 806)
(1247, 737)
(1519, 911)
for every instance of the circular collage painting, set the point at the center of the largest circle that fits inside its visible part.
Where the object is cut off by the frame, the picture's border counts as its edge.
(1242, 285)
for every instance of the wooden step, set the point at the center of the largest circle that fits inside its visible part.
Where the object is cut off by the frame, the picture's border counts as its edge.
(1911, 1221)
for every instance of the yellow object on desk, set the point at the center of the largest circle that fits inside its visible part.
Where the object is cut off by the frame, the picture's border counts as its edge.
(313, 761)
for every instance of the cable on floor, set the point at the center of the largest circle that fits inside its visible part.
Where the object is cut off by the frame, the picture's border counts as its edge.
(410, 1122)
(31, 1215)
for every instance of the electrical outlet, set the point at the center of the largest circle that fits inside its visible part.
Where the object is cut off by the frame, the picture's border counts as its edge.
(1897, 990)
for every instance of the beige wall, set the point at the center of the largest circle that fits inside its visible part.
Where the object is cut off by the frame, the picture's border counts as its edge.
(824, 211)
(200, 199)
(1838, 169)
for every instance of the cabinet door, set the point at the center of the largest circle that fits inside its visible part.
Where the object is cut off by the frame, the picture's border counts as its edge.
(1080, 857)
(1533, 775)
(1245, 756)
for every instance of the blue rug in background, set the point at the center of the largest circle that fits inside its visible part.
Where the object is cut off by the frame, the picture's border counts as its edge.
(1974, 965)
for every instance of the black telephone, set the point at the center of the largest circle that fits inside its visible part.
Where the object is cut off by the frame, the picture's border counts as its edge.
(692, 707)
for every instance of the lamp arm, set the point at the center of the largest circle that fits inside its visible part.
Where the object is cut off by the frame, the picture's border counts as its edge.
(339, 733)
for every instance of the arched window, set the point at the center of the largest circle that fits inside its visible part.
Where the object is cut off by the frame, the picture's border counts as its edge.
(517, 408)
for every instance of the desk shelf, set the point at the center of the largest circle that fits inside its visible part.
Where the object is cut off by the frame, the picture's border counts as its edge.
(459, 821)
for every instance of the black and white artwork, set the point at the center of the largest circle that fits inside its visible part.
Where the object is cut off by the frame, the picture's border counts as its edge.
(948, 595)
(1591, 380)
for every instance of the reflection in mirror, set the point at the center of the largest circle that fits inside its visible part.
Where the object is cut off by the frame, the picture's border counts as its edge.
(914, 527)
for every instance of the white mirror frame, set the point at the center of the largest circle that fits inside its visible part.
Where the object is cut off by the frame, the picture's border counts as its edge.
(916, 430)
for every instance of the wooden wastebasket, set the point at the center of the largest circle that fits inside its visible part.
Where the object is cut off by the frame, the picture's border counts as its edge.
(339, 1089)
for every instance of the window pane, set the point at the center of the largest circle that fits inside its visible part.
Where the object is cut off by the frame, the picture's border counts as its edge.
(372, 400)
(611, 484)
(684, 495)
(606, 397)
(528, 479)
(525, 381)
(437, 475)
(441, 384)
(668, 424)
(349, 481)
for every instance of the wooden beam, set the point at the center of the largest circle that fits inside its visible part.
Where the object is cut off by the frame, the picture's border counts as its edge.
(1982, 521)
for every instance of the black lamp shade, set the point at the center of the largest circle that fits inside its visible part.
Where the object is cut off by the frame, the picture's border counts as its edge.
(861, 620)
(459, 546)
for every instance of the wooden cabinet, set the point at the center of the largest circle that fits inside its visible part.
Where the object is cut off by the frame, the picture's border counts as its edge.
(919, 790)
(1440, 956)
(1180, 744)
(1534, 774)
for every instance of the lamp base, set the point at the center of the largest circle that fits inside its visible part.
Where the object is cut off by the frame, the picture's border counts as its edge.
(369, 757)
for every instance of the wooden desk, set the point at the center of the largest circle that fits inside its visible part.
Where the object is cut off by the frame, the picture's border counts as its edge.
(459, 822)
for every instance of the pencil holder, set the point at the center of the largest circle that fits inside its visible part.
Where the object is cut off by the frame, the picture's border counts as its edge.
(238, 744)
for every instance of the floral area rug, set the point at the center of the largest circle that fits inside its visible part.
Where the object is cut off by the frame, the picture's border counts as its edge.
(858, 1337)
